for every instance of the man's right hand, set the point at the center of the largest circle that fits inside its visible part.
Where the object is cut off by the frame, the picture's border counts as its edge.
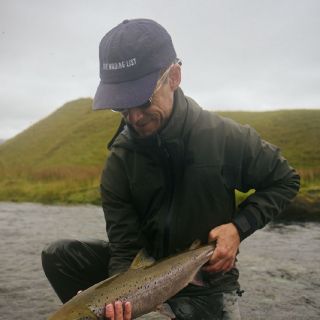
(117, 312)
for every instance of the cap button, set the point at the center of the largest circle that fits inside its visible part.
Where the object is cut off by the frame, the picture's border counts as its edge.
(125, 21)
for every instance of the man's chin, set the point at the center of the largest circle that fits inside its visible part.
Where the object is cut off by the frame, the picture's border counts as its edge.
(145, 131)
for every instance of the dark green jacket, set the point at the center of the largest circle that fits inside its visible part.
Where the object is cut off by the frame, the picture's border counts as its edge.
(165, 191)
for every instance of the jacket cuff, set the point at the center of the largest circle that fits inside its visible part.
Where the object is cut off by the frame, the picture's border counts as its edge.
(243, 226)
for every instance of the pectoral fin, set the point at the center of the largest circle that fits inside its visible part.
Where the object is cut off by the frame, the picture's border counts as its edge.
(166, 310)
(198, 280)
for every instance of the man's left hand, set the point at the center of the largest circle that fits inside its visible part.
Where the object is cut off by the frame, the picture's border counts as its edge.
(227, 244)
(118, 311)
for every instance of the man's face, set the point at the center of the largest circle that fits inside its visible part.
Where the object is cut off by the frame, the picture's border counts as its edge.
(150, 118)
(147, 121)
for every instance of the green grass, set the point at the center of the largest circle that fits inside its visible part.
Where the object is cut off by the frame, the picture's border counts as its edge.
(60, 158)
(296, 132)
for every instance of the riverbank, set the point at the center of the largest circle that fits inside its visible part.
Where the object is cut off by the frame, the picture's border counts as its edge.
(304, 208)
(279, 265)
(64, 165)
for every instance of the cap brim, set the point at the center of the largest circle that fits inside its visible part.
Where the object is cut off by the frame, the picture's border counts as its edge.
(125, 94)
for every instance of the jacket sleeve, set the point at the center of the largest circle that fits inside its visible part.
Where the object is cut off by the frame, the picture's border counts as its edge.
(275, 183)
(122, 222)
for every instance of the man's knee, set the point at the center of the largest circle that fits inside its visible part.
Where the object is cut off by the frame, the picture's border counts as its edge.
(53, 252)
(75, 254)
(198, 307)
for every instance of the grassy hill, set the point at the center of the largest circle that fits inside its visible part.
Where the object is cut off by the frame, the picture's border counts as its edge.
(59, 159)
(296, 132)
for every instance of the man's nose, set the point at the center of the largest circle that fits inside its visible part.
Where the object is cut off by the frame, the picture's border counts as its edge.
(134, 115)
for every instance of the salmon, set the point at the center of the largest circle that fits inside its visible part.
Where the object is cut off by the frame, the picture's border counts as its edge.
(146, 284)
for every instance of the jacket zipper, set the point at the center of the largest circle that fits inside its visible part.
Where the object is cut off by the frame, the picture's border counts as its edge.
(169, 173)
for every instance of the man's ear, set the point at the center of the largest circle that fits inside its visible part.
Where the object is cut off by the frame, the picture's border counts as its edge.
(175, 77)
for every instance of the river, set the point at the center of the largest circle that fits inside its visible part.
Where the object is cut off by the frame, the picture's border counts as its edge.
(279, 265)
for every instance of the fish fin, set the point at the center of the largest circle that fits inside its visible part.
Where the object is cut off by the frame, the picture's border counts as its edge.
(198, 280)
(166, 310)
(213, 243)
(87, 316)
(142, 260)
(195, 244)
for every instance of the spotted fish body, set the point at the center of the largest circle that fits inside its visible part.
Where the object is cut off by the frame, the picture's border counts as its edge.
(146, 285)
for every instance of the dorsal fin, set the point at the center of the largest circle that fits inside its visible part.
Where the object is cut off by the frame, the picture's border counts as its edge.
(195, 244)
(142, 260)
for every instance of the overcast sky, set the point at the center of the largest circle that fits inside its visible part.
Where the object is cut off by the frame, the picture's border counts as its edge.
(237, 54)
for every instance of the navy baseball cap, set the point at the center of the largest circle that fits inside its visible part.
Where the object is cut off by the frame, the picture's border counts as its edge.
(131, 57)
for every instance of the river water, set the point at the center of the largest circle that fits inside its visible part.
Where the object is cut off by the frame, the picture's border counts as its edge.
(279, 265)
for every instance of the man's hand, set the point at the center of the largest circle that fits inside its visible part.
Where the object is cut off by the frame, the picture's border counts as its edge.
(227, 244)
(116, 312)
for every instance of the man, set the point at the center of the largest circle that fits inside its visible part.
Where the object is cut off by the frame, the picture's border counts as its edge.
(170, 179)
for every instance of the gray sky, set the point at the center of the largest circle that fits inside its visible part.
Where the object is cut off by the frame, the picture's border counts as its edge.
(237, 54)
